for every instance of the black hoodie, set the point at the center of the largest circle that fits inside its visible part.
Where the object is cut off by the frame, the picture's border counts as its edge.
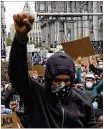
(43, 109)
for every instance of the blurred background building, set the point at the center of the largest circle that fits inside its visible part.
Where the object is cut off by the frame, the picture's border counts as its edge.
(3, 31)
(58, 25)
(57, 22)
(35, 34)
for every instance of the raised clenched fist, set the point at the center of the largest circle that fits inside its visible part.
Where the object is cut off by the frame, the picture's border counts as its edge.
(12, 105)
(23, 23)
(90, 60)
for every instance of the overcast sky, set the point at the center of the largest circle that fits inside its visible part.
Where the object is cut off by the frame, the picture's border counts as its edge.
(13, 8)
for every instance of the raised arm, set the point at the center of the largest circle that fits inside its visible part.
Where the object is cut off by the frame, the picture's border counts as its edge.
(18, 67)
(93, 68)
(78, 70)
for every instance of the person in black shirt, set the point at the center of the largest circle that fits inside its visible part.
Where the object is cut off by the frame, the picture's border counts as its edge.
(57, 104)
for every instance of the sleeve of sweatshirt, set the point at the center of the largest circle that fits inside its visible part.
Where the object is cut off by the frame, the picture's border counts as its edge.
(6, 98)
(95, 70)
(18, 68)
(91, 121)
(99, 86)
(78, 74)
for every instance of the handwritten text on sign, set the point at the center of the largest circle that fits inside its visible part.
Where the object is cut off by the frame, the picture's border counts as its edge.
(9, 121)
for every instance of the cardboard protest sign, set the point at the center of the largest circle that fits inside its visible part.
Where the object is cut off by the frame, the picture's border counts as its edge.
(98, 46)
(36, 58)
(81, 47)
(10, 121)
(40, 69)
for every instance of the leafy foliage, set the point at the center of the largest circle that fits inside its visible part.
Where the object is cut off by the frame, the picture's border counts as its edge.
(9, 42)
(4, 73)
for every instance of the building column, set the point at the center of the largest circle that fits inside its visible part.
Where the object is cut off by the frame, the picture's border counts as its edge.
(95, 22)
(80, 35)
(46, 35)
(87, 29)
(43, 37)
(49, 35)
(65, 32)
(52, 29)
(57, 33)
(86, 23)
(75, 21)
(72, 30)
(53, 42)
(75, 29)
(101, 29)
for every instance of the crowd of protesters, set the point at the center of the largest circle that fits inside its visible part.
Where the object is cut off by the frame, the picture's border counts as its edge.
(89, 79)
(69, 95)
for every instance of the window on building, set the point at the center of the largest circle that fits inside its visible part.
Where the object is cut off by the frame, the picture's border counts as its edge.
(30, 38)
(34, 38)
(101, 9)
(70, 6)
(36, 25)
(62, 25)
(66, 6)
(36, 41)
(69, 31)
(86, 6)
(54, 4)
(62, 6)
(48, 35)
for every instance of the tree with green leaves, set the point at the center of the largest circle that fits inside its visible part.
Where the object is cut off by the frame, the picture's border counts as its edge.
(31, 42)
(40, 45)
(4, 72)
(9, 41)
(36, 45)
(29, 60)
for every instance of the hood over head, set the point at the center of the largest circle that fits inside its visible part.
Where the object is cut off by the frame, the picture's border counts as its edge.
(58, 63)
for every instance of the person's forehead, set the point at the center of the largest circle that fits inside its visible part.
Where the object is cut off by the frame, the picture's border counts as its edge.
(100, 118)
(90, 79)
(9, 87)
(62, 76)
(35, 72)
(98, 57)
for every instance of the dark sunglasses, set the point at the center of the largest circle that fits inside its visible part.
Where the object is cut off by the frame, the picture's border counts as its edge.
(60, 80)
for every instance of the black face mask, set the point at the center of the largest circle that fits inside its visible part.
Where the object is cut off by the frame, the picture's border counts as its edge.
(60, 91)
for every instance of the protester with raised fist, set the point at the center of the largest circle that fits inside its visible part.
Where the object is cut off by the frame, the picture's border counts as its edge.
(58, 104)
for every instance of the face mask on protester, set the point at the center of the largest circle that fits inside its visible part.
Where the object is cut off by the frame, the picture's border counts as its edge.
(35, 76)
(89, 85)
(100, 66)
(2, 89)
(95, 105)
(60, 91)
(57, 88)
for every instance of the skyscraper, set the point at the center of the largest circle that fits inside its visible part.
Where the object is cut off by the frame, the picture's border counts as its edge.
(3, 31)
(35, 34)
